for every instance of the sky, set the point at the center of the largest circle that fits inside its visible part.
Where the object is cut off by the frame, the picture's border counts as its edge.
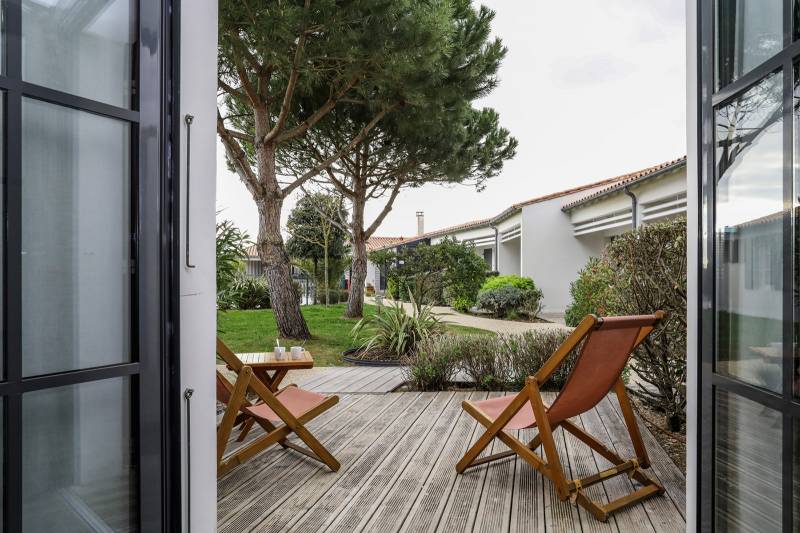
(590, 89)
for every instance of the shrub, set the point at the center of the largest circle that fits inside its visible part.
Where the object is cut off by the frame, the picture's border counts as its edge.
(433, 364)
(462, 304)
(503, 362)
(509, 299)
(231, 245)
(464, 272)
(650, 274)
(530, 350)
(511, 280)
(392, 290)
(335, 296)
(449, 271)
(593, 292)
(395, 332)
(369, 290)
(483, 360)
(501, 300)
(247, 292)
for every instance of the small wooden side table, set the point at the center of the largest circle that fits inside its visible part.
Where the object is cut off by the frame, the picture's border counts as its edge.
(263, 363)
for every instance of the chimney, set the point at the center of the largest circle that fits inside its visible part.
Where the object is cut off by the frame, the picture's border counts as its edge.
(420, 223)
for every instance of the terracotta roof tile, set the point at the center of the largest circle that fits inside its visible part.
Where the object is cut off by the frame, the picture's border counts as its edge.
(378, 243)
(458, 227)
(626, 179)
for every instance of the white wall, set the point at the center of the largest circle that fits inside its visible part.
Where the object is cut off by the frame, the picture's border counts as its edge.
(693, 264)
(198, 307)
(552, 254)
(509, 257)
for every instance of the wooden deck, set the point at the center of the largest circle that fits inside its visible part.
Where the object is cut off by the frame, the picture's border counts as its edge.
(356, 380)
(398, 453)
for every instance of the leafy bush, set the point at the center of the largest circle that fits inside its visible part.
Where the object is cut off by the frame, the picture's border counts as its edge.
(250, 292)
(449, 270)
(434, 363)
(593, 292)
(499, 362)
(369, 290)
(335, 296)
(396, 333)
(231, 253)
(512, 280)
(483, 360)
(640, 272)
(464, 272)
(530, 350)
(501, 300)
(247, 292)
(508, 299)
(462, 304)
(650, 274)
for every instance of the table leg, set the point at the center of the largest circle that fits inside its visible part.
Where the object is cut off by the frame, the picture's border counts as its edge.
(272, 382)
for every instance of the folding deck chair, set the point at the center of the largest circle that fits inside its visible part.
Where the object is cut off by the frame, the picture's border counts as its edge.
(291, 405)
(607, 345)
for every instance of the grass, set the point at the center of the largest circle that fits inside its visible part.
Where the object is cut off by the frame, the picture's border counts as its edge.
(256, 331)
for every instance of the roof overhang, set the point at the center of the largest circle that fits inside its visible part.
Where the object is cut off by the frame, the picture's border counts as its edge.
(622, 185)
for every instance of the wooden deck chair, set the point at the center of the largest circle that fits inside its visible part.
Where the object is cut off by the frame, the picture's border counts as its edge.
(291, 406)
(243, 418)
(607, 345)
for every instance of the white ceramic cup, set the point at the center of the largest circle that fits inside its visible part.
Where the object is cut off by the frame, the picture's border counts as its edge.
(297, 352)
(280, 353)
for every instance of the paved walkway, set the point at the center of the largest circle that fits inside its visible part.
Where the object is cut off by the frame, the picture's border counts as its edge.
(492, 324)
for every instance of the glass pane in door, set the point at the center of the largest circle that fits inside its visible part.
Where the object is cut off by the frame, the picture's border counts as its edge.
(78, 472)
(749, 236)
(748, 33)
(747, 456)
(76, 227)
(79, 47)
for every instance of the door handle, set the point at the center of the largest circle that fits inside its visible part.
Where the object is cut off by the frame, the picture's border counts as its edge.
(188, 119)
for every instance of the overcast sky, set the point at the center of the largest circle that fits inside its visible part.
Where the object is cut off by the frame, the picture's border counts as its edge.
(590, 89)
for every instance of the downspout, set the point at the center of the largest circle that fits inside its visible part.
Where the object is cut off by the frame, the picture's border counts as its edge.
(496, 255)
(634, 208)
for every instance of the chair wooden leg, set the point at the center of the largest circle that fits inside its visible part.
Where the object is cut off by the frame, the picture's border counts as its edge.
(231, 412)
(630, 422)
(493, 427)
(246, 427)
(554, 469)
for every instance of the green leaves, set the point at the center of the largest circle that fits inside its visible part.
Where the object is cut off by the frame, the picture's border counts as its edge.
(315, 221)
(231, 252)
(396, 332)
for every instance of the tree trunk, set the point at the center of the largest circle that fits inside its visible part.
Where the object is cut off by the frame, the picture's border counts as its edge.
(327, 276)
(283, 297)
(355, 300)
(315, 281)
(358, 270)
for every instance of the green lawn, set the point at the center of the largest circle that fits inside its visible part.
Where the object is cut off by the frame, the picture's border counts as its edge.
(255, 331)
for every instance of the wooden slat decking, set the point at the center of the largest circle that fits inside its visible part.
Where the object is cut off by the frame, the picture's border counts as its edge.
(356, 380)
(398, 453)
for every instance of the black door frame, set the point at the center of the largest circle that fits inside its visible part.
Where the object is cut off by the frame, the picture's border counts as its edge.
(154, 374)
(709, 99)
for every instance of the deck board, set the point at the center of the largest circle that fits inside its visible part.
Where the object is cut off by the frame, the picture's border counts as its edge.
(356, 380)
(398, 453)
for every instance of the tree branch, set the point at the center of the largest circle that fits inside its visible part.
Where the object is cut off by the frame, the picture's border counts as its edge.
(332, 159)
(237, 156)
(291, 83)
(385, 211)
(320, 113)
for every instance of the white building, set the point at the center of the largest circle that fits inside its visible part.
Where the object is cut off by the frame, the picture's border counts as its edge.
(550, 238)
